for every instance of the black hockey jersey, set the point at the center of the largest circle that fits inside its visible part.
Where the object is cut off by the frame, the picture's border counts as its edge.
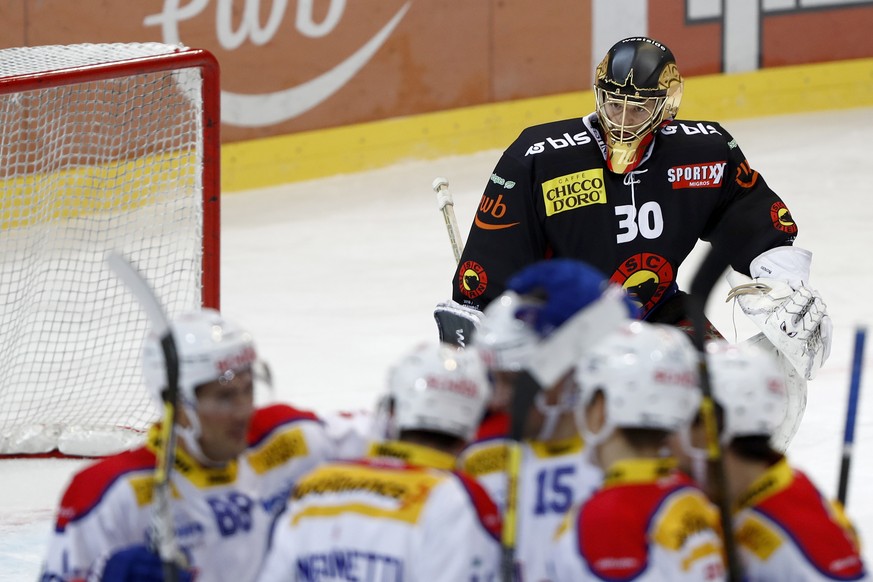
(551, 195)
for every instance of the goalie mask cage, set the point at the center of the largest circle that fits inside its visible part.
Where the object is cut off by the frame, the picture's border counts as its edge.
(102, 147)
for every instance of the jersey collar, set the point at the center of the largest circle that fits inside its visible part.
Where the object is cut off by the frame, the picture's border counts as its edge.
(186, 465)
(412, 454)
(772, 481)
(638, 471)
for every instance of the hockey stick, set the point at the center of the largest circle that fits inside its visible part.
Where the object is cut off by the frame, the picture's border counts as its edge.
(713, 266)
(849, 434)
(162, 533)
(447, 206)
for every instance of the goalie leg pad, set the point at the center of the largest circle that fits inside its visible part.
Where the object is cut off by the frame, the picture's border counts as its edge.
(795, 386)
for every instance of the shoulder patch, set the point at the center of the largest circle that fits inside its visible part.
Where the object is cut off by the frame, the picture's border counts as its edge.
(486, 509)
(757, 537)
(810, 521)
(484, 458)
(89, 485)
(266, 420)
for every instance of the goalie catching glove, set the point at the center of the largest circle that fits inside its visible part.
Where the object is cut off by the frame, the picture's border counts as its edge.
(789, 313)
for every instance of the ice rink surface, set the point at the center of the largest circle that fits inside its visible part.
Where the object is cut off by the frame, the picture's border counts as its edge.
(337, 277)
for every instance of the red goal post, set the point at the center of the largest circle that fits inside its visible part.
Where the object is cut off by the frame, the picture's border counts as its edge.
(103, 147)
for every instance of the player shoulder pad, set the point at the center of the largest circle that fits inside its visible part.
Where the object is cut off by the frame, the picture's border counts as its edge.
(268, 419)
(89, 485)
(495, 425)
(486, 509)
(484, 457)
(614, 527)
(814, 526)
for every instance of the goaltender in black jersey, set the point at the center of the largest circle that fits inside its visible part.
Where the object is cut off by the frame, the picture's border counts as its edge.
(627, 189)
(630, 189)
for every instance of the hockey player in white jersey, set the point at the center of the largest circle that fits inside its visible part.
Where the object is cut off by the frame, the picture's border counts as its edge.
(647, 522)
(785, 529)
(400, 513)
(234, 469)
(555, 471)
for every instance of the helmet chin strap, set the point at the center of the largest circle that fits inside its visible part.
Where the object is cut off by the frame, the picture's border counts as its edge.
(697, 456)
(190, 436)
(552, 412)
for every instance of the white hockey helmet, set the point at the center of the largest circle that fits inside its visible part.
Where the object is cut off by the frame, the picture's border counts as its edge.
(209, 348)
(505, 337)
(749, 385)
(439, 388)
(648, 375)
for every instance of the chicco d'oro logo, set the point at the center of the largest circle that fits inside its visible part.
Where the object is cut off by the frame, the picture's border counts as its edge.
(644, 277)
(472, 279)
(574, 191)
(781, 217)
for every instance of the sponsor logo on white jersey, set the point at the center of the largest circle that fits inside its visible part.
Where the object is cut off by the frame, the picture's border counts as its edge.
(558, 143)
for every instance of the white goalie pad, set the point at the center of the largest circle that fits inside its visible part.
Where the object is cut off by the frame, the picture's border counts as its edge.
(794, 320)
(795, 385)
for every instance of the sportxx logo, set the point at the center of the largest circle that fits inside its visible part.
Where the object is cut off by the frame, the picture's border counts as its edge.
(707, 175)
(259, 110)
(746, 176)
(491, 208)
(574, 191)
(558, 143)
(781, 218)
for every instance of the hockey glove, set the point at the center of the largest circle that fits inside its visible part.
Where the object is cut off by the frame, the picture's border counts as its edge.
(456, 323)
(790, 314)
(138, 564)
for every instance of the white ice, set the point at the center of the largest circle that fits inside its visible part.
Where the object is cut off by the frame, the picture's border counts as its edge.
(337, 277)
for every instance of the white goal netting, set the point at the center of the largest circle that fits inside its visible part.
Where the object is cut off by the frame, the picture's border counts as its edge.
(102, 147)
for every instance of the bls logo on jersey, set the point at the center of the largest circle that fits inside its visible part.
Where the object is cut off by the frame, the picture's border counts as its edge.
(558, 143)
(574, 191)
(697, 175)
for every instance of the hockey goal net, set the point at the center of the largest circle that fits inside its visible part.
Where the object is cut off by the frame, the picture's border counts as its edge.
(102, 147)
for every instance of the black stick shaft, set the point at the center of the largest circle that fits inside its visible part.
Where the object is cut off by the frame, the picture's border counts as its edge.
(711, 269)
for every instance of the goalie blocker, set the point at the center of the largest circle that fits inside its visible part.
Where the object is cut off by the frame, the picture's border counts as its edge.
(456, 323)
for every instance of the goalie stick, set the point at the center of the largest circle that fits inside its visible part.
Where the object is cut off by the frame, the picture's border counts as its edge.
(713, 266)
(162, 534)
(851, 409)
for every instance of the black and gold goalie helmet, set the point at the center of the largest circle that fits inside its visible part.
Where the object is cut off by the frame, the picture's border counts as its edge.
(638, 89)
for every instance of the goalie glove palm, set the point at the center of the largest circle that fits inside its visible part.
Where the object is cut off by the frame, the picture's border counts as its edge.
(794, 320)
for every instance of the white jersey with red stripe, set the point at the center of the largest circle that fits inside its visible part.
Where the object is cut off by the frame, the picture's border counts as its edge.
(787, 531)
(223, 515)
(400, 513)
(554, 476)
(647, 523)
